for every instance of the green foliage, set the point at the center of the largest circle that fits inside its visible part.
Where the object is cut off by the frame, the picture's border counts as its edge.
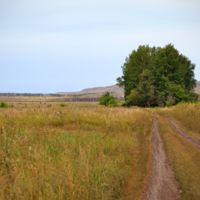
(108, 100)
(63, 105)
(169, 103)
(49, 105)
(181, 96)
(3, 105)
(112, 103)
(157, 76)
(143, 94)
(193, 97)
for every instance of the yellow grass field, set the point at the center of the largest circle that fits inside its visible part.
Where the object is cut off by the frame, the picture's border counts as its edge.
(88, 151)
(82, 151)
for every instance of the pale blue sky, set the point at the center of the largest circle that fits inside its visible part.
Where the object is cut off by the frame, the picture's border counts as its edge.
(50, 46)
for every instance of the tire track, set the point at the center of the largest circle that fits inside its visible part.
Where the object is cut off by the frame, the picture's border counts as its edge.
(161, 184)
(185, 135)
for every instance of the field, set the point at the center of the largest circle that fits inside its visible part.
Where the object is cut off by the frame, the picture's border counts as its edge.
(88, 151)
(82, 151)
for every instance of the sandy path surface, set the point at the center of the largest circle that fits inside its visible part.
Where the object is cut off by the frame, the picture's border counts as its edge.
(185, 135)
(161, 184)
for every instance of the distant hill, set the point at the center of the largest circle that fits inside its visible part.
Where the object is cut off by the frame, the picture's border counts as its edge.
(112, 89)
(99, 90)
(197, 89)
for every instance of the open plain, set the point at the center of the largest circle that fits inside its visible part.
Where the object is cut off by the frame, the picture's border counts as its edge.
(88, 151)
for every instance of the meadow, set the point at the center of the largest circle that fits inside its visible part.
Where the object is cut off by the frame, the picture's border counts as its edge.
(81, 151)
(86, 151)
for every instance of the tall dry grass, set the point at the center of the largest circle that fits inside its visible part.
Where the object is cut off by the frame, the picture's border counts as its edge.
(75, 152)
(186, 115)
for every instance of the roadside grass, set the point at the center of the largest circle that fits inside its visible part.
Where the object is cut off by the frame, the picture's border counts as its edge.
(140, 172)
(185, 115)
(82, 151)
(185, 159)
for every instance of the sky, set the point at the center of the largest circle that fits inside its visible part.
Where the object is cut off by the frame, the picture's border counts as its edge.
(50, 46)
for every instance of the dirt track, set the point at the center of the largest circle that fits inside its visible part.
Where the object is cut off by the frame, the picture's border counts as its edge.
(185, 135)
(161, 184)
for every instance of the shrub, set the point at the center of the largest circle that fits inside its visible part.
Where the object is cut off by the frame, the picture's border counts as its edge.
(112, 103)
(108, 100)
(3, 105)
(49, 105)
(169, 103)
(63, 105)
(193, 97)
(181, 95)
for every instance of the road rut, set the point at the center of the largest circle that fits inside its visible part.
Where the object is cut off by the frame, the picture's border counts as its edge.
(185, 135)
(161, 184)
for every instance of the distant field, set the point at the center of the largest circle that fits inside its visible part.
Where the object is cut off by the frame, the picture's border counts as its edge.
(70, 98)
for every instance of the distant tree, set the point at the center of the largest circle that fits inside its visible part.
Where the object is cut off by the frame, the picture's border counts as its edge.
(157, 76)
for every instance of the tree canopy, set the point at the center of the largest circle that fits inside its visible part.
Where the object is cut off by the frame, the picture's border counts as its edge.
(155, 76)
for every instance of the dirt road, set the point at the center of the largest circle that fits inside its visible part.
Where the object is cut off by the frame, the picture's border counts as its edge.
(185, 135)
(161, 184)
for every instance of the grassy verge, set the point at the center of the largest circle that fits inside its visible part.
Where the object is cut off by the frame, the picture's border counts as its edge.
(185, 115)
(75, 152)
(140, 171)
(185, 159)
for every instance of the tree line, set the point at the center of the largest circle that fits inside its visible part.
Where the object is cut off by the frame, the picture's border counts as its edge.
(12, 94)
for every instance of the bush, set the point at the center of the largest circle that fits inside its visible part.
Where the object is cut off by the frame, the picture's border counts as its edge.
(112, 103)
(193, 97)
(3, 105)
(169, 103)
(63, 105)
(181, 95)
(49, 105)
(108, 100)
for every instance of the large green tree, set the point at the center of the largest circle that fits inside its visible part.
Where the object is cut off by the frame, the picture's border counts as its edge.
(153, 76)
